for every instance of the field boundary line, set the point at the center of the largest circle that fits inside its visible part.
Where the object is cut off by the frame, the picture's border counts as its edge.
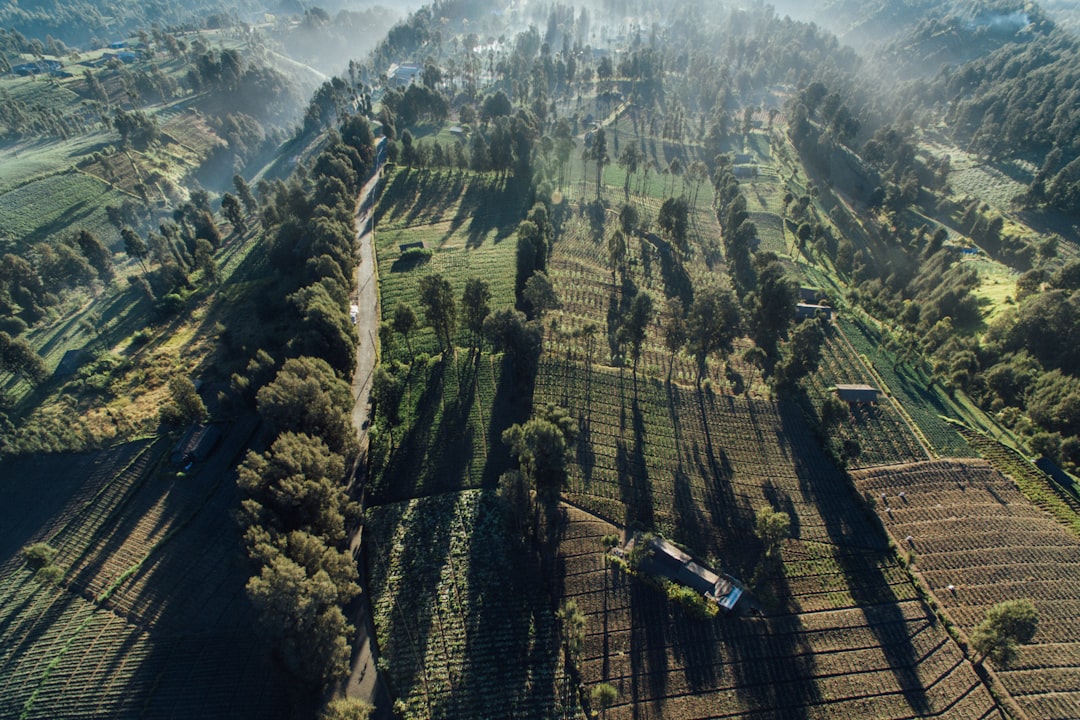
(924, 442)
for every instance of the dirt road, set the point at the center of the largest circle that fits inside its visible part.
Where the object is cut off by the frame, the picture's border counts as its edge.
(364, 681)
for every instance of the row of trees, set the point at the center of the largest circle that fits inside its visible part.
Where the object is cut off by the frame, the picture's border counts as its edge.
(296, 510)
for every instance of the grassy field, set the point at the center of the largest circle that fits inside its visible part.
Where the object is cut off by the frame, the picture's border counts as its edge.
(38, 211)
(150, 618)
(979, 541)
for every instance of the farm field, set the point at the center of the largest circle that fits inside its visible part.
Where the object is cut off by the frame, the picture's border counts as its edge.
(848, 632)
(466, 220)
(150, 618)
(844, 631)
(881, 432)
(35, 211)
(455, 412)
(913, 390)
(464, 623)
(828, 657)
(973, 530)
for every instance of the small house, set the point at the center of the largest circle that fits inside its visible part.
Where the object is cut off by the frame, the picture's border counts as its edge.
(857, 394)
(196, 445)
(664, 559)
(806, 311)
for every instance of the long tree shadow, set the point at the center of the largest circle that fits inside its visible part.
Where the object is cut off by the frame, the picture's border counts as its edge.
(495, 208)
(772, 664)
(635, 486)
(452, 447)
(511, 648)
(404, 470)
(408, 628)
(849, 526)
(509, 406)
(648, 645)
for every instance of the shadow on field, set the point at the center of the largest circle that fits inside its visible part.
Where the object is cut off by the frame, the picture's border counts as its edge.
(772, 666)
(849, 528)
(508, 407)
(511, 649)
(492, 205)
(648, 643)
(409, 461)
(635, 485)
(426, 545)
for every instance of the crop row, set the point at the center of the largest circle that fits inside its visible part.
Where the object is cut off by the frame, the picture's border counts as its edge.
(449, 429)
(979, 541)
(883, 436)
(55, 204)
(889, 658)
(1031, 481)
(457, 608)
(917, 395)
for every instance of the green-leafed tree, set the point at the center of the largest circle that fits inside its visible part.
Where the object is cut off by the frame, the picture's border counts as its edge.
(539, 295)
(296, 485)
(1006, 626)
(307, 396)
(404, 322)
(713, 323)
(475, 307)
(440, 310)
(184, 406)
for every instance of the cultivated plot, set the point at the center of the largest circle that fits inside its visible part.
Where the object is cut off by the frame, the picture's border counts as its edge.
(979, 542)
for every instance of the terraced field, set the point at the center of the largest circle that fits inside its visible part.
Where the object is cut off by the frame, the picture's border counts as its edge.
(150, 618)
(890, 659)
(880, 430)
(976, 533)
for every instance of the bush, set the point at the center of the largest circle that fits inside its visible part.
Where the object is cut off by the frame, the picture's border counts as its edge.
(168, 306)
(39, 554)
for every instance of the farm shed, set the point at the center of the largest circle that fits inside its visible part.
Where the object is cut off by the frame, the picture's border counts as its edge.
(418, 245)
(196, 445)
(805, 311)
(857, 393)
(664, 559)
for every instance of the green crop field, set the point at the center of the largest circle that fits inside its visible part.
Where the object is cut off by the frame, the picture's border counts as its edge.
(881, 432)
(465, 627)
(467, 221)
(38, 211)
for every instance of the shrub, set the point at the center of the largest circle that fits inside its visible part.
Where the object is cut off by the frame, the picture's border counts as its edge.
(39, 554)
